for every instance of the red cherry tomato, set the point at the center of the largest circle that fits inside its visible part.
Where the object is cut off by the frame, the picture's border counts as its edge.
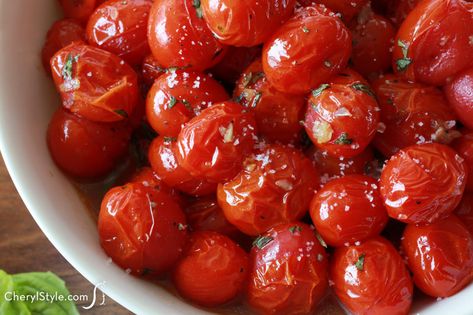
(464, 211)
(275, 186)
(342, 115)
(278, 114)
(411, 113)
(440, 256)
(142, 229)
(402, 8)
(245, 23)
(459, 93)
(120, 27)
(464, 147)
(347, 8)
(371, 278)
(288, 273)
(213, 269)
(179, 37)
(423, 183)
(308, 49)
(348, 210)
(214, 144)
(151, 70)
(434, 42)
(79, 9)
(83, 148)
(162, 156)
(94, 83)
(178, 96)
(62, 33)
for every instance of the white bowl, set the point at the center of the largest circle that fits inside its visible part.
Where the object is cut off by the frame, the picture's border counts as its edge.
(27, 101)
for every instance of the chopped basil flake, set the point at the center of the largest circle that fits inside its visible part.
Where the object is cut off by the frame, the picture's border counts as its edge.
(343, 139)
(363, 88)
(121, 112)
(305, 29)
(320, 89)
(198, 8)
(172, 102)
(262, 241)
(170, 139)
(295, 228)
(360, 262)
(321, 240)
(256, 100)
(405, 61)
(67, 69)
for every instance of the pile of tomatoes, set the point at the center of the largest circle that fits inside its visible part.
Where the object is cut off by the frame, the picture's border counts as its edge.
(283, 150)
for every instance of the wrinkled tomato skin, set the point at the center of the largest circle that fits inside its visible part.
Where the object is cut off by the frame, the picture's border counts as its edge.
(309, 48)
(142, 229)
(213, 270)
(289, 274)
(382, 286)
(120, 27)
(275, 186)
(423, 183)
(437, 37)
(343, 118)
(162, 157)
(151, 70)
(178, 96)
(348, 210)
(60, 34)
(411, 113)
(85, 149)
(459, 93)
(278, 114)
(347, 8)
(464, 211)
(214, 144)
(440, 256)
(101, 87)
(464, 147)
(179, 38)
(79, 9)
(245, 23)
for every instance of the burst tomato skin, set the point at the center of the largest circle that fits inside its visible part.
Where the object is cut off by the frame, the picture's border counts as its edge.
(288, 275)
(433, 43)
(120, 27)
(440, 256)
(459, 93)
(464, 147)
(274, 187)
(423, 183)
(141, 228)
(179, 37)
(94, 83)
(309, 48)
(278, 114)
(79, 9)
(213, 270)
(464, 211)
(348, 210)
(342, 115)
(178, 96)
(371, 278)
(83, 148)
(346, 8)
(214, 144)
(245, 23)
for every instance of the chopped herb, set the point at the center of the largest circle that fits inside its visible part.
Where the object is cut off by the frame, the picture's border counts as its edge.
(404, 62)
(240, 97)
(187, 104)
(251, 78)
(305, 29)
(169, 139)
(262, 241)
(67, 69)
(181, 227)
(360, 262)
(295, 228)
(343, 139)
(256, 100)
(320, 89)
(363, 88)
(172, 102)
(198, 8)
(321, 240)
(121, 112)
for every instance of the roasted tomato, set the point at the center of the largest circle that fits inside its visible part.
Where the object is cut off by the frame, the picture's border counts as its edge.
(371, 278)
(348, 210)
(177, 96)
(308, 49)
(179, 37)
(94, 83)
(61, 34)
(278, 114)
(245, 23)
(464, 147)
(342, 115)
(440, 256)
(459, 93)
(83, 148)
(434, 42)
(346, 8)
(120, 27)
(464, 211)
(142, 229)
(288, 273)
(213, 270)
(423, 183)
(411, 113)
(214, 144)
(151, 70)
(275, 186)
(79, 9)
(162, 156)
(401, 9)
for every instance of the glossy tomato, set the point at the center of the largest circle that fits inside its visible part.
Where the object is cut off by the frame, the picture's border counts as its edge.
(346, 8)
(178, 96)
(464, 147)
(401, 10)
(79, 9)
(275, 186)
(94, 83)
(213, 270)
(464, 211)
(423, 183)
(371, 278)
(151, 70)
(342, 115)
(83, 148)
(179, 37)
(440, 256)
(308, 49)
(459, 93)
